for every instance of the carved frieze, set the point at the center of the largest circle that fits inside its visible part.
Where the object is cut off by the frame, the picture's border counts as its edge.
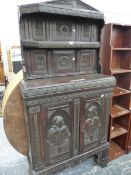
(57, 10)
(68, 87)
(88, 94)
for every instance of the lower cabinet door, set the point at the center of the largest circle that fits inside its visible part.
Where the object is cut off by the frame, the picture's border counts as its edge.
(52, 138)
(90, 123)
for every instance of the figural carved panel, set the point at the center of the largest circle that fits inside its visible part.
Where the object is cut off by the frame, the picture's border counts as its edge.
(91, 124)
(59, 133)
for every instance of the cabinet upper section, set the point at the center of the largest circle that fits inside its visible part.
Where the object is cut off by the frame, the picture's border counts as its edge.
(61, 20)
(60, 38)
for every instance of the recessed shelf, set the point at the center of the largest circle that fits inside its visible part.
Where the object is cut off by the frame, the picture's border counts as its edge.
(115, 151)
(120, 70)
(117, 130)
(119, 91)
(117, 111)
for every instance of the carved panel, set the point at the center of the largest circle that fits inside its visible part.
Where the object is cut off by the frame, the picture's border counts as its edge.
(59, 133)
(95, 34)
(63, 30)
(64, 61)
(90, 124)
(85, 32)
(33, 28)
(88, 60)
(37, 147)
(36, 63)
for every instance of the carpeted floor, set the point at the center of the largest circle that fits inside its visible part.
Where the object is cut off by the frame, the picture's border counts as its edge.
(13, 163)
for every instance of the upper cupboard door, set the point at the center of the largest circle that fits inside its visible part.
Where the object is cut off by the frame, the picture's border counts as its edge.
(64, 61)
(63, 30)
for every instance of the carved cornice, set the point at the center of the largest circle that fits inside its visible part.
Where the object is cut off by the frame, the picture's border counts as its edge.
(68, 87)
(44, 8)
(55, 44)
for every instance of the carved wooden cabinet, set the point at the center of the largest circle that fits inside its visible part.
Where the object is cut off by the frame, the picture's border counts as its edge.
(66, 100)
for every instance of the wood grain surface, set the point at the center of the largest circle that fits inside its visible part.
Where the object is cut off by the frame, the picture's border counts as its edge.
(13, 112)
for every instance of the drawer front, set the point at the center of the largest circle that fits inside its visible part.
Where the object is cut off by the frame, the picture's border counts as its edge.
(64, 61)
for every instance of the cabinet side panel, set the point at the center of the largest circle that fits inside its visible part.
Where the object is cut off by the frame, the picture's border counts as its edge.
(105, 50)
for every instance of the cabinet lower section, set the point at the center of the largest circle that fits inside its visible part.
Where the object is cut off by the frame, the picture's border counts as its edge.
(100, 153)
(67, 123)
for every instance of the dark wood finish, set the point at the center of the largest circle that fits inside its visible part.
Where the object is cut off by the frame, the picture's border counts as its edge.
(117, 130)
(66, 100)
(120, 91)
(116, 60)
(115, 150)
(50, 63)
(14, 116)
(81, 109)
(117, 111)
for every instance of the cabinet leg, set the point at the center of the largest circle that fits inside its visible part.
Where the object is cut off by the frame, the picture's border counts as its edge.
(102, 158)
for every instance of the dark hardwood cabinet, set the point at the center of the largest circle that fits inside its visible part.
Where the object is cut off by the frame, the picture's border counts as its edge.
(116, 61)
(66, 100)
(67, 122)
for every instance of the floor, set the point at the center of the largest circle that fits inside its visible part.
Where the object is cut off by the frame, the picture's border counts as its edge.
(13, 163)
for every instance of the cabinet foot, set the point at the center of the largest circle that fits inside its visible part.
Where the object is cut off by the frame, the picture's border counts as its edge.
(102, 158)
